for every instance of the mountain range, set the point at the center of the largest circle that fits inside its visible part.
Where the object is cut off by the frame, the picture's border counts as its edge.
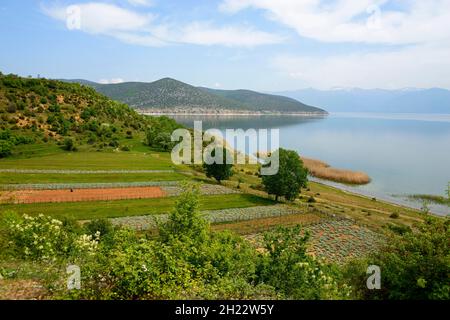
(410, 100)
(172, 96)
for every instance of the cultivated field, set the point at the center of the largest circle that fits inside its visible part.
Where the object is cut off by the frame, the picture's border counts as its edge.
(132, 188)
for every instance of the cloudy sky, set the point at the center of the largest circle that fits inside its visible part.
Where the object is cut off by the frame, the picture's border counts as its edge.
(268, 45)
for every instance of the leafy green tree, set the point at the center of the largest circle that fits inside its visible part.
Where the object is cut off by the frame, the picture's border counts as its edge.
(185, 221)
(5, 148)
(69, 144)
(219, 171)
(291, 176)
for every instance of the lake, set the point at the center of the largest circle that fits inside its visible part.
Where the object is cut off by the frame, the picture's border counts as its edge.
(402, 153)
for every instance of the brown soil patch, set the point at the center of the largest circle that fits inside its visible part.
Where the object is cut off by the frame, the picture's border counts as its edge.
(74, 195)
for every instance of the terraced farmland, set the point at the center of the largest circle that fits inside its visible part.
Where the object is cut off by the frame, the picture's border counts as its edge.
(213, 216)
(335, 239)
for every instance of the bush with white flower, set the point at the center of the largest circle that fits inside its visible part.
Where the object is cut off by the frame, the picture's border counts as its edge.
(44, 238)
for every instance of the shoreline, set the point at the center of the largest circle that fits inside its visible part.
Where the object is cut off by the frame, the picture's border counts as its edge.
(303, 114)
(392, 200)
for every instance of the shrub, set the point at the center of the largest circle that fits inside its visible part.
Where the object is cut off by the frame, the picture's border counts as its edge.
(114, 143)
(394, 215)
(45, 238)
(288, 268)
(5, 148)
(69, 144)
(414, 264)
(102, 227)
(12, 107)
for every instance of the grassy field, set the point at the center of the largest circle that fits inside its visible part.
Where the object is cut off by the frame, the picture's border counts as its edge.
(93, 161)
(23, 178)
(121, 208)
(375, 214)
(431, 198)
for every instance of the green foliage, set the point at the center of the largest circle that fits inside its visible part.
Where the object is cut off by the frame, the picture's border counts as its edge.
(103, 227)
(414, 265)
(57, 109)
(169, 93)
(186, 221)
(45, 238)
(69, 144)
(158, 134)
(394, 215)
(185, 261)
(291, 176)
(288, 268)
(8, 140)
(219, 171)
(5, 148)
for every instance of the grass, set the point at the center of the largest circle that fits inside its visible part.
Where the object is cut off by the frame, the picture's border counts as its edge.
(23, 178)
(264, 224)
(93, 161)
(375, 214)
(322, 170)
(121, 208)
(431, 198)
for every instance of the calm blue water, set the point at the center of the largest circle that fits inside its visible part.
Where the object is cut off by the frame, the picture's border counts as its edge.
(403, 154)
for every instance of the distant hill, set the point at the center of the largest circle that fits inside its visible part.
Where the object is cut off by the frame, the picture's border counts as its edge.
(433, 100)
(170, 95)
(42, 111)
(263, 101)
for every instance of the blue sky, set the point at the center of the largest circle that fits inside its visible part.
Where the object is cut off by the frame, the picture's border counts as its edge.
(263, 45)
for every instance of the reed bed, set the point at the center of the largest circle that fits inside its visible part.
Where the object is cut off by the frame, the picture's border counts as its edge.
(322, 170)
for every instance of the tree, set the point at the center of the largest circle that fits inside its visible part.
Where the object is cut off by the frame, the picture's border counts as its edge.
(185, 222)
(219, 171)
(5, 148)
(69, 145)
(291, 176)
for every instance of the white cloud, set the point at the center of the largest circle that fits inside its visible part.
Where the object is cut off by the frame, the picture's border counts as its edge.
(417, 32)
(111, 81)
(365, 21)
(419, 66)
(101, 18)
(143, 3)
(203, 33)
(142, 28)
